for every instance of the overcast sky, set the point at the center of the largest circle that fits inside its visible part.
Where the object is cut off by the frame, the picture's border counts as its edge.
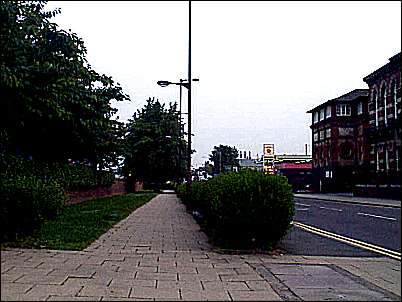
(261, 65)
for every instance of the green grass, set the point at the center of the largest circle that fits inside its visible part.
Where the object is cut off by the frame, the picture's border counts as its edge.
(81, 224)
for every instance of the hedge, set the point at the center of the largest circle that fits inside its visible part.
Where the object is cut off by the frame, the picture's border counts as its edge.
(242, 210)
(33, 191)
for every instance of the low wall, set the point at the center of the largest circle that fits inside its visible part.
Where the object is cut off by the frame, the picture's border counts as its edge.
(117, 188)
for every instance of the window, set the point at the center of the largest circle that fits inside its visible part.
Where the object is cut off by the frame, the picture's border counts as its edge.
(383, 97)
(360, 108)
(374, 99)
(315, 117)
(322, 114)
(328, 132)
(322, 134)
(328, 112)
(343, 110)
(394, 97)
(315, 138)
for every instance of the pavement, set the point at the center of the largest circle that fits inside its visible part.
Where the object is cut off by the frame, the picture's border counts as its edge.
(159, 253)
(346, 198)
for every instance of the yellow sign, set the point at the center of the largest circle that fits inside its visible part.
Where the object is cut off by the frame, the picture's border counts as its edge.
(268, 150)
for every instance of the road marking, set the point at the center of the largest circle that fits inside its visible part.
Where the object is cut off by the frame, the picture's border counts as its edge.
(302, 209)
(377, 216)
(302, 204)
(332, 209)
(371, 247)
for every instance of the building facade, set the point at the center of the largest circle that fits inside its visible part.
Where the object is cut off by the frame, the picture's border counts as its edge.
(383, 134)
(338, 148)
(357, 137)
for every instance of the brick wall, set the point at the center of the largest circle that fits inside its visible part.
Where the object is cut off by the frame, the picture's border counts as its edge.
(117, 188)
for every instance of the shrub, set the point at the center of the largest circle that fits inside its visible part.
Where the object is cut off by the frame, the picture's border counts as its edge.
(26, 201)
(243, 210)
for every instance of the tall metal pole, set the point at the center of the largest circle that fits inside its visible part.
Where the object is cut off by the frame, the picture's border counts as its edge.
(189, 100)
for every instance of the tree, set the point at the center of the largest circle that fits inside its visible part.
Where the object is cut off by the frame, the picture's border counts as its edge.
(55, 106)
(153, 142)
(223, 157)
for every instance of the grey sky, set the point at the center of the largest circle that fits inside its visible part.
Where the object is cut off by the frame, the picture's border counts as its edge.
(261, 65)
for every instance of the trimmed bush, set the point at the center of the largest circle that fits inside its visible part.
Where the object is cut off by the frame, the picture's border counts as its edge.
(243, 210)
(32, 191)
(26, 202)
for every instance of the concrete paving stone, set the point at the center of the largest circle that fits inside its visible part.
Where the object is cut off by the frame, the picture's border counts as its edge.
(127, 299)
(156, 276)
(220, 271)
(50, 265)
(132, 283)
(196, 285)
(260, 295)
(27, 271)
(24, 263)
(112, 274)
(11, 277)
(153, 262)
(73, 298)
(23, 297)
(176, 270)
(231, 265)
(213, 285)
(71, 281)
(258, 285)
(244, 270)
(149, 292)
(64, 290)
(105, 291)
(78, 273)
(5, 267)
(42, 279)
(199, 277)
(11, 288)
(286, 269)
(297, 281)
(204, 295)
(146, 269)
(328, 294)
(244, 277)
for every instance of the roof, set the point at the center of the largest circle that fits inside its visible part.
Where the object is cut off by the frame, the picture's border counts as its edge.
(246, 162)
(393, 61)
(284, 166)
(348, 97)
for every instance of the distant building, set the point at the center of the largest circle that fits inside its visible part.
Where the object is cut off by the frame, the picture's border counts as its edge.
(337, 147)
(249, 163)
(297, 168)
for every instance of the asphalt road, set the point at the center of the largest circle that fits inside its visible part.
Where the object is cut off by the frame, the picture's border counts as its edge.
(375, 225)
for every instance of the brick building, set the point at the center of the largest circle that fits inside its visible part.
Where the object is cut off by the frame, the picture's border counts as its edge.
(357, 137)
(383, 134)
(338, 148)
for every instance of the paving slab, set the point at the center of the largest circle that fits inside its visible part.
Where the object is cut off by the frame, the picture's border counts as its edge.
(160, 253)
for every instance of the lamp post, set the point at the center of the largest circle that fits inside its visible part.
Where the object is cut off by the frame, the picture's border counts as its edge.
(184, 83)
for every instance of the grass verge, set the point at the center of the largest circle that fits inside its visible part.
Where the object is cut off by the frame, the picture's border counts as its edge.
(81, 224)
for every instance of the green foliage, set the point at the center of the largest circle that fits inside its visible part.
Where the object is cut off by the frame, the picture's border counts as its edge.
(54, 105)
(26, 202)
(223, 157)
(243, 210)
(69, 176)
(80, 224)
(155, 150)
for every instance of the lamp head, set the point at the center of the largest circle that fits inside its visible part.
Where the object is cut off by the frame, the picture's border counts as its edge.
(163, 83)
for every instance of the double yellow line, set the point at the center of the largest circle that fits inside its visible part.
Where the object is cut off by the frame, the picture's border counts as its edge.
(350, 241)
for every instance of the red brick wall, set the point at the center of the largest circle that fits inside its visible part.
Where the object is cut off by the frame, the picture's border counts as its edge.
(79, 196)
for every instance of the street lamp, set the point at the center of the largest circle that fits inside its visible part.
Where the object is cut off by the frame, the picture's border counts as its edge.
(183, 83)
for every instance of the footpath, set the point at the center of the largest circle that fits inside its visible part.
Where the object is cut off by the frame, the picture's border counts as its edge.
(159, 253)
